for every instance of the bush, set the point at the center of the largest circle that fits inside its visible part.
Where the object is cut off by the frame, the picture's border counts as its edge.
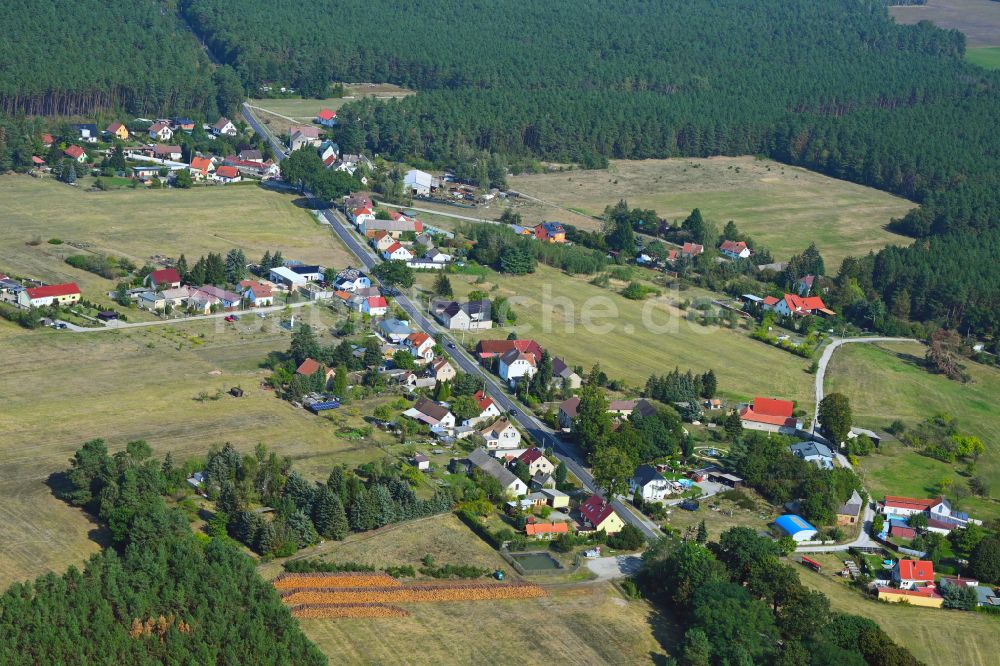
(55, 241)
(630, 538)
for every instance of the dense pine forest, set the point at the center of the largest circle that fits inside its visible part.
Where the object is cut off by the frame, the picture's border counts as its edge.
(159, 595)
(833, 86)
(69, 58)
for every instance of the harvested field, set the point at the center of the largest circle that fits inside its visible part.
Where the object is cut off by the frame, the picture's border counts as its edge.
(296, 581)
(978, 19)
(416, 593)
(324, 611)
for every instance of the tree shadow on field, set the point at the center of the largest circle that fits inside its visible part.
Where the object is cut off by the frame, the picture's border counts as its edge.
(310, 203)
(58, 483)
(667, 631)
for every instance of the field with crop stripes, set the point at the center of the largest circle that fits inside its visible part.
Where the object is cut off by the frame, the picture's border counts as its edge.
(327, 611)
(300, 581)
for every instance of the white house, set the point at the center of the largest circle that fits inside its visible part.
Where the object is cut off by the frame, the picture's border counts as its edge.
(501, 435)
(361, 216)
(431, 413)
(161, 131)
(488, 409)
(420, 345)
(351, 279)
(734, 249)
(224, 127)
(814, 452)
(516, 364)
(396, 252)
(649, 483)
(375, 306)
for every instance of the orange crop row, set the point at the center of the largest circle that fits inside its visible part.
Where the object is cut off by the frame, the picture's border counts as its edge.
(289, 581)
(416, 593)
(347, 610)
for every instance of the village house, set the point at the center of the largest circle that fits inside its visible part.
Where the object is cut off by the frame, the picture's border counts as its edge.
(76, 153)
(228, 299)
(419, 183)
(805, 284)
(361, 216)
(182, 124)
(909, 574)
(542, 481)
(941, 517)
(470, 316)
(328, 151)
(556, 498)
(770, 415)
(550, 232)
(420, 345)
(351, 279)
(228, 174)
(516, 364)
(52, 294)
(567, 412)
(848, 513)
(395, 228)
(257, 294)
(441, 370)
(327, 118)
(177, 297)
(118, 131)
(396, 252)
(564, 376)
(165, 278)
(483, 461)
(813, 452)
(374, 306)
(224, 127)
(394, 330)
(488, 409)
(925, 596)
(501, 436)
(537, 463)
(356, 200)
(87, 132)
(734, 249)
(792, 304)
(649, 483)
(160, 131)
(383, 241)
(167, 152)
(597, 514)
(151, 300)
(545, 530)
(691, 250)
(490, 349)
(201, 168)
(250, 155)
(431, 413)
(303, 135)
(200, 302)
(311, 366)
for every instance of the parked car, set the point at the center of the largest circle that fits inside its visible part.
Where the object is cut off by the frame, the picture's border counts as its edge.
(230, 318)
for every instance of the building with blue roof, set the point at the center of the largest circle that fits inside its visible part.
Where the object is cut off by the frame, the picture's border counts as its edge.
(796, 527)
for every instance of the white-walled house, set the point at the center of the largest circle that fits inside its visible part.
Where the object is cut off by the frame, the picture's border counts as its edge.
(502, 435)
(516, 364)
(650, 483)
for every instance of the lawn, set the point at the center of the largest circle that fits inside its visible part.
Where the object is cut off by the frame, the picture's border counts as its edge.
(280, 114)
(61, 389)
(143, 224)
(885, 382)
(936, 637)
(783, 207)
(978, 19)
(575, 624)
(583, 324)
(986, 56)
(727, 516)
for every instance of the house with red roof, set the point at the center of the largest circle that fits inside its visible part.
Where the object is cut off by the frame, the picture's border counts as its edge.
(909, 574)
(795, 305)
(487, 349)
(77, 153)
(327, 118)
(361, 215)
(52, 294)
(396, 252)
(691, 250)
(536, 461)
(201, 168)
(228, 174)
(47, 140)
(257, 294)
(375, 306)
(770, 415)
(165, 278)
(923, 596)
(118, 131)
(550, 232)
(545, 530)
(420, 345)
(734, 249)
(597, 514)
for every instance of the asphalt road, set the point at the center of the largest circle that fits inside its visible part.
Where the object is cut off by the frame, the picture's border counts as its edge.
(542, 434)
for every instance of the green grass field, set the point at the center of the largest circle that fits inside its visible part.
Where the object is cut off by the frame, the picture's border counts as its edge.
(584, 324)
(986, 56)
(935, 636)
(61, 389)
(141, 224)
(783, 207)
(978, 19)
(884, 383)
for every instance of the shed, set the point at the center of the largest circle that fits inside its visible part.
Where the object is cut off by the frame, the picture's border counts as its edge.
(796, 527)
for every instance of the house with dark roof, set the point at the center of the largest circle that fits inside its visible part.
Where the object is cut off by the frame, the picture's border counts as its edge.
(515, 365)
(456, 316)
(224, 127)
(537, 462)
(228, 299)
(550, 232)
(88, 132)
(850, 511)
(650, 484)
(351, 279)
(487, 464)
(564, 376)
(431, 413)
(567, 412)
(813, 452)
(597, 514)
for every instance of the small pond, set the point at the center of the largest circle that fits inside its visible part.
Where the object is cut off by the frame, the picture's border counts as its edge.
(537, 562)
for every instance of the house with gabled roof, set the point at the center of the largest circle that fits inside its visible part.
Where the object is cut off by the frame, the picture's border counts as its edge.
(805, 284)
(50, 294)
(734, 249)
(88, 132)
(650, 484)
(228, 174)
(351, 279)
(396, 252)
(480, 459)
(303, 135)
(224, 127)
(118, 131)
(908, 574)
(441, 370)
(537, 462)
(228, 299)
(201, 167)
(327, 118)
(597, 514)
(770, 415)
(76, 153)
(816, 453)
(501, 436)
(456, 316)
(516, 364)
(794, 305)
(257, 294)
(567, 412)
(165, 278)
(160, 131)
(550, 232)
(564, 376)
(394, 330)
(691, 250)
(849, 512)
(420, 345)
(374, 306)
(488, 409)
(431, 413)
